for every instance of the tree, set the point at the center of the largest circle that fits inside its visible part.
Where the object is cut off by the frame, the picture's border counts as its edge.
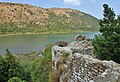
(13, 67)
(107, 45)
(3, 69)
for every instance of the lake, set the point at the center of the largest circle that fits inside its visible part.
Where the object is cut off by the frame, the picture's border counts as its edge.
(19, 44)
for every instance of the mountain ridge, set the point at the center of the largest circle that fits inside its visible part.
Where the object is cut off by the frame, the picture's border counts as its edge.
(25, 18)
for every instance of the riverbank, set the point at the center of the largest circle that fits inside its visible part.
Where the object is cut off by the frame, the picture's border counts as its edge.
(31, 43)
(28, 33)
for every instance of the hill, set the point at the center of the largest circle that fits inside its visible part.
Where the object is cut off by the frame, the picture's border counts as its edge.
(23, 18)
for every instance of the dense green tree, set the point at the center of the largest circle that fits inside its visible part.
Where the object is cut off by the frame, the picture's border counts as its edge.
(107, 45)
(3, 69)
(13, 67)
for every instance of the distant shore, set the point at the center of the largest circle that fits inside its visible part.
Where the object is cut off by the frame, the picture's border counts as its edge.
(43, 33)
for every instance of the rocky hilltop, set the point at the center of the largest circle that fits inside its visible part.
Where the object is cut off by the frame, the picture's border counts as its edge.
(23, 18)
(77, 63)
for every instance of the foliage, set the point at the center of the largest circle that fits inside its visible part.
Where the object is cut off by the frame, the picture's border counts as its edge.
(34, 29)
(65, 54)
(13, 67)
(15, 79)
(41, 67)
(54, 76)
(41, 72)
(25, 61)
(3, 70)
(107, 45)
(61, 43)
(28, 70)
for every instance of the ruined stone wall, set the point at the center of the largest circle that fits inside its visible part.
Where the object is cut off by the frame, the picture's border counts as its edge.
(81, 65)
(84, 68)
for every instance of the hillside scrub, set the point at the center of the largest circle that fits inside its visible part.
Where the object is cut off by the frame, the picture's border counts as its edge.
(28, 19)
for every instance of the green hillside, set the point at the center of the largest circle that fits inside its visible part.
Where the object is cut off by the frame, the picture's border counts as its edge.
(26, 19)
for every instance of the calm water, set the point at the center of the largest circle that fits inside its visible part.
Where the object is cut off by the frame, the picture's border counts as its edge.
(30, 43)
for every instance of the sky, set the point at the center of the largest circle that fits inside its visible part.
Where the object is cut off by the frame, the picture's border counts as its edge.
(92, 7)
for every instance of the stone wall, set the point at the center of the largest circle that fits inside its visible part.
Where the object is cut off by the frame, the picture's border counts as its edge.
(84, 68)
(81, 65)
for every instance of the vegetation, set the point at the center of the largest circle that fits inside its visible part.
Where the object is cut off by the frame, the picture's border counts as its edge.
(10, 67)
(13, 67)
(107, 45)
(41, 67)
(26, 67)
(15, 79)
(3, 70)
(61, 43)
(54, 76)
(28, 19)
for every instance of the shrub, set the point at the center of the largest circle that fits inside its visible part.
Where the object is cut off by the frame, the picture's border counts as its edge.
(54, 76)
(61, 43)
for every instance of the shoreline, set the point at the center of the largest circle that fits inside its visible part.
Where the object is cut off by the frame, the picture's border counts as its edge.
(44, 33)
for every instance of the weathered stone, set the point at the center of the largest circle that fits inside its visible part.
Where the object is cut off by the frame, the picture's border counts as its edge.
(81, 65)
(80, 38)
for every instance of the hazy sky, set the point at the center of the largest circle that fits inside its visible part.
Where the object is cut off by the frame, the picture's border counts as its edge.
(93, 7)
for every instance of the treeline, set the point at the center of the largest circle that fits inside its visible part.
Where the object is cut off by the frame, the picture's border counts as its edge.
(13, 29)
(53, 28)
